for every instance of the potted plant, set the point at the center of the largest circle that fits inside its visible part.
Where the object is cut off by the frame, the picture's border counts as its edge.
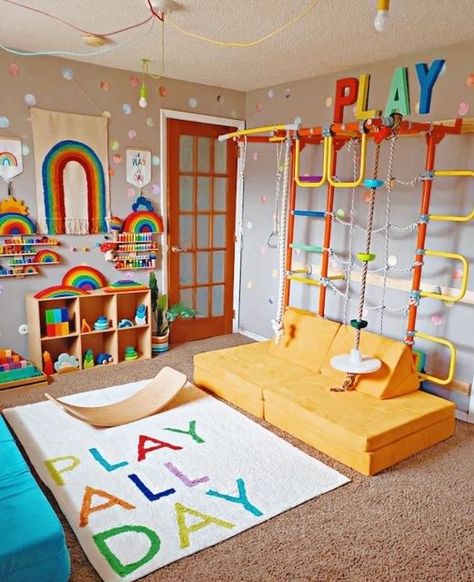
(164, 316)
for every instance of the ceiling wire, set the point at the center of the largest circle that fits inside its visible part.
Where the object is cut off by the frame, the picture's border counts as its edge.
(59, 19)
(237, 44)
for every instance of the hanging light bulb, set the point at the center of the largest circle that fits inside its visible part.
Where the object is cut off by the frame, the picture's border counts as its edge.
(143, 102)
(382, 16)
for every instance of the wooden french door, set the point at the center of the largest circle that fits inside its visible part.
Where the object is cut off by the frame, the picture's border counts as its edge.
(202, 185)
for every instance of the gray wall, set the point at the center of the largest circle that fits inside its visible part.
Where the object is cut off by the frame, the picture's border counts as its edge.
(307, 100)
(43, 78)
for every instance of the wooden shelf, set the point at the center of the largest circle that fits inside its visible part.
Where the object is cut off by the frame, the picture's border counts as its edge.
(33, 264)
(20, 275)
(114, 306)
(18, 255)
(150, 268)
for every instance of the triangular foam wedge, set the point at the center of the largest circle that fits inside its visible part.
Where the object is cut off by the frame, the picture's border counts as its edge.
(147, 401)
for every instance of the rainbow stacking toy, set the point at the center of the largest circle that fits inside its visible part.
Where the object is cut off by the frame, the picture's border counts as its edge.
(15, 371)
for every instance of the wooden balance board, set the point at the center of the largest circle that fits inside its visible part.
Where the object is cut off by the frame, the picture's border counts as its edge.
(150, 399)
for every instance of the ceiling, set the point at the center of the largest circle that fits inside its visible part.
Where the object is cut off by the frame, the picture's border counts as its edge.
(334, 35)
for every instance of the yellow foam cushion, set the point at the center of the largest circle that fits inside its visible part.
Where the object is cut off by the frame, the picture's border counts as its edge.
(306, 339)
(359, 422)
(396, 377)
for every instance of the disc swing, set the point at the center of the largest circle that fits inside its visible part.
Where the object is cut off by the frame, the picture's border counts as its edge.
(354, 363)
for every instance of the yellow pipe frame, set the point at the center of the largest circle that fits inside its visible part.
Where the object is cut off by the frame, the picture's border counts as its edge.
(297, 176)
(464, 281)
(452, 362)
(257, 130)
(363, 157)
(313, 282)
(454, 217)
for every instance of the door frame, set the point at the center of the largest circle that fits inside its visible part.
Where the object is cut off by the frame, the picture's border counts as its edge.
(166, 114)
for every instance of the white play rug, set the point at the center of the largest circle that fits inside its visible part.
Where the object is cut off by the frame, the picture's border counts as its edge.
(148, 493)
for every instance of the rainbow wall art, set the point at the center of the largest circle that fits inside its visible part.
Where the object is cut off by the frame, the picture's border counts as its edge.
(85, 278)
(47, 256)
(8, 159)
(53, 169)
(14, 223)
(143, 221)
(11, 159)
(57, 291)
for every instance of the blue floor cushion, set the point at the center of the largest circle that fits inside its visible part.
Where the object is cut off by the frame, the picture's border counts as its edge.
(33, 546)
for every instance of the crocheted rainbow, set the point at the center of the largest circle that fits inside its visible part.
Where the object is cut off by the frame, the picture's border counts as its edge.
(143, 221)
(30, 270)
(59, 291)
(52, 171)
(84, 277)
(14, 223)
(124, 285)
(46, 256)
(115, 223)
(8, 159)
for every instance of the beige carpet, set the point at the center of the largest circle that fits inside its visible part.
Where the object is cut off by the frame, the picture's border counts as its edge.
(413, 522)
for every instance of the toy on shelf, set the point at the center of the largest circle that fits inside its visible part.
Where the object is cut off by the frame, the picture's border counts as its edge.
(21, 254)
(103, 358)
(131, 250)
(59, 291)
(57, 321)
(140, 315)
(130, 354)
(101, 323)
(123, 323)
(85, 326)
(88, 361)
(85, 278)
(124, 286)
(48, 367)
(66, 363)
(15, 371)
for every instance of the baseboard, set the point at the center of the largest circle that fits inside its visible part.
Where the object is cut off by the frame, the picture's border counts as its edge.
(254, 336)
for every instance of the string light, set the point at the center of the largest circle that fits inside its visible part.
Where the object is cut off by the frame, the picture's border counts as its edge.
(382, 16)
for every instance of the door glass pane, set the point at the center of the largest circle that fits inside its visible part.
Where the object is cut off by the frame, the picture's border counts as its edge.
(204, 154)
(185, 269)
(202, 267)
(186, 198)
(186, 153)
(202, 295)
(203, 194)
(220, 194)
(203, 231)
(186, 297)
(220, 156)
(185, 231)
(219, 231)
(218, 300)
(218, 266)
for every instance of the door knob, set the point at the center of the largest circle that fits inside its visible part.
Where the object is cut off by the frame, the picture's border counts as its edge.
(176, 249)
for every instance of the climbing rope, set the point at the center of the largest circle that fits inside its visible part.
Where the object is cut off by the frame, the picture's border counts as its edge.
(278, 185)
(277, 323)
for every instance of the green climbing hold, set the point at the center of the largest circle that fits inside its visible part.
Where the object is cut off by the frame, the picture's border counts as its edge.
(358, 323)
(366, 257)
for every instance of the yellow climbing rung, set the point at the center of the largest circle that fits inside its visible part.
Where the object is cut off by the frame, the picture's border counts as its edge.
(452, 361)
(323, 179)
(454, 217)
(455, 173)
(363, 158)
(464, 280)
(313, 282)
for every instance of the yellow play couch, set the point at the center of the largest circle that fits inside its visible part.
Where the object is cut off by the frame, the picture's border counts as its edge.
(384, 420)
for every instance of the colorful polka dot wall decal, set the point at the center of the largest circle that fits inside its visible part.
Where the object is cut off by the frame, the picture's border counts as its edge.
(249, 225)
(149, 122)
(155, 189)
(258, 107)
(117, 158)
(155, 160)
(134, 80)
(111, 172)
(4, 122)
(105, 85)
(392, 260)
(457, 274)
(263, 199)
(436, 319)
(234, 114)
(132, 134)
(162, 91)
(271, 93)
(30, 99)
(67, 74)
(470, 80)
(193, 102)
(329, 102)
(220, 99)
(274, 273)
(340, 213)
(297, 121)
(13, 70)
(128, 275)
(25, 149)
(23, 329)
(130, 192)
(463, 108)
(126, 108)
(255, 156)
(249, 284)
(106, 114)
(114, 145)
(287, 93)
(367, 197)
(263, 249)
